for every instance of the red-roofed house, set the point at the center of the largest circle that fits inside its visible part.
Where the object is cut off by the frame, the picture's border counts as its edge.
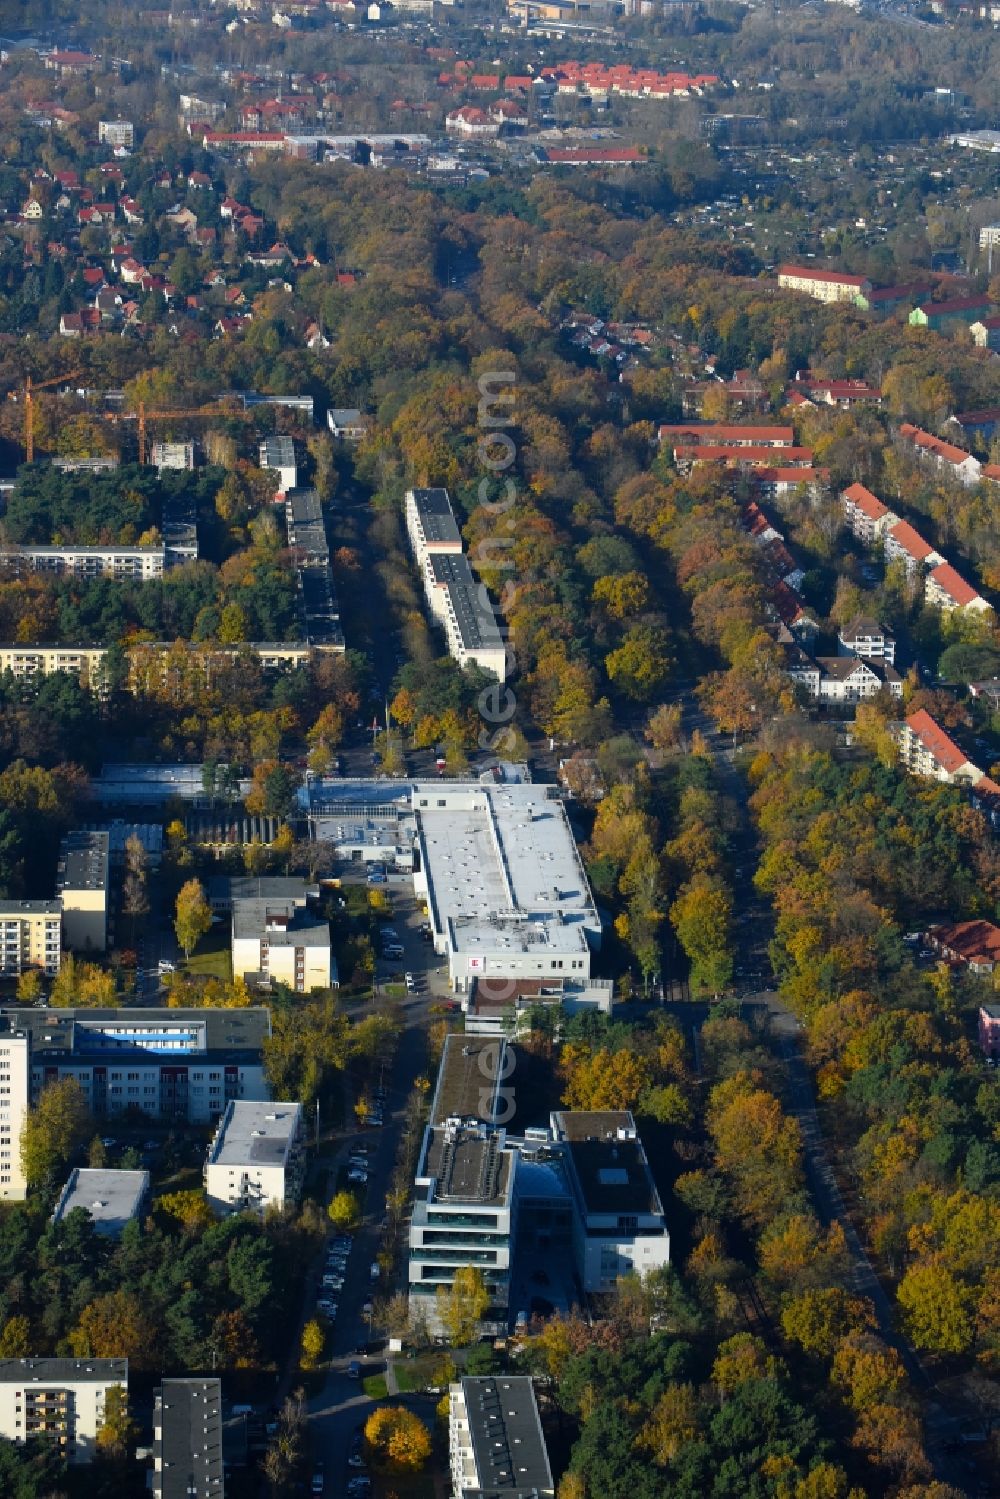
(825, 286)
(944, 455)
(594, 156)
(468, 120)
(866, 515)
(946, 589)
(926, 750)
(974, 943)
(904, 544)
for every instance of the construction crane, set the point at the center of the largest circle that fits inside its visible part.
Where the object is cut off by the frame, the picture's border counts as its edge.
(29, 408)
(142, 417)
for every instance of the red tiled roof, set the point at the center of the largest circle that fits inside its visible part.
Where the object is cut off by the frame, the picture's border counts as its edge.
(869, 504)
(969, 940)
(953, 584)
(910, 540)
(723, 432)
(931, 444)
(582, 155)
(816, 273)
(956, 304)
(735, 455)
(934, 739)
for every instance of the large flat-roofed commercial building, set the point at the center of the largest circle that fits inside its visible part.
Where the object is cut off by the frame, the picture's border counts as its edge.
(496, 1447)
(137, 564)
(459, 603)
(167, 1064)
(15, 1092)
(257, 1158)
(187, 1440)
(505, 887)
(30, 936)
(112, 1198)
(618, 1223)
(280, 942)
(82, 887)
(463, 1207)
(59, 1399)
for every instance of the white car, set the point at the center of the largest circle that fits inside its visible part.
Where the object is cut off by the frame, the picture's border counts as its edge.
(357, 1175)
(375, 1270)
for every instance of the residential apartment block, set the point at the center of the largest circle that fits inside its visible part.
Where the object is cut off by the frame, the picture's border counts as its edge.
(495, 1441)
(280, 941)
(954, 462)
(82, 661)
(167, 1064)
(62, 1399)
(844, 679)
(457, 601)
(15, 1089)
(867, 638)
(926, 750)
(619, 1227)
(115, 132)
(946, 589)
(974, 944)
(187, 1440)
(824, 286)
(30, 936)
(989, 1030)
(907, 547)
(278, 455)
(82, 888)
(257, 1159)
(136, 563)
(866, 515)
(111, 1198)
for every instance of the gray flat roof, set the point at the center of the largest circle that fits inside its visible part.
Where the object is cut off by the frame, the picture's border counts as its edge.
(277, 452)
(63, 1371)
(612, 1172)
(111, 1198)
(437, 519)
(10, 909)
(506, 1435)
(257, 918)
(83, 861)
(477, 623)
(152, 1033)
(258, 1134)
(467, 1166)
(467, 1076)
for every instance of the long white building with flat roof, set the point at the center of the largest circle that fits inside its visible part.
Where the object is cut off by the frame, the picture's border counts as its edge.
(505, 887)
(458, 602)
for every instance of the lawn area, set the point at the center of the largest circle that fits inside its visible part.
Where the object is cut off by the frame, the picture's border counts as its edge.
(212, 958)
(375, 1387)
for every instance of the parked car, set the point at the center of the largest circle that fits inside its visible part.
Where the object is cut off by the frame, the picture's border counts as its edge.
(318, 1481)
(374, 1270)
(354, 1369)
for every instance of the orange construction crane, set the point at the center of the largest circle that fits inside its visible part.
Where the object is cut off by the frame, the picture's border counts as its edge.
(29, 408)
(142, 417)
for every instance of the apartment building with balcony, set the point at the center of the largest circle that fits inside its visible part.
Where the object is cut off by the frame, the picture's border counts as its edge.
(15, 1092)
(62, 1399)
(257, 1159)
(141, 564)
(30, 936)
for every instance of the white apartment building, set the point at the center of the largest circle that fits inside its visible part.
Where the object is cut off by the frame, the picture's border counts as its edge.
(457, 601)
(866, 515)
(116, 132)
(278, 455)
(461, 605)
(82, 661)
(62, 1399)
(926, 750)
(946, 589)
(619, 1226)
(278, 941)
(257, 1159)
(30, 936)
(15, 1075)
(907, 547)
(867, 638)
(825, 286)
(164, 1063)
(138, 563)
(82, 888)
(495, 1440)
(506, 891)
